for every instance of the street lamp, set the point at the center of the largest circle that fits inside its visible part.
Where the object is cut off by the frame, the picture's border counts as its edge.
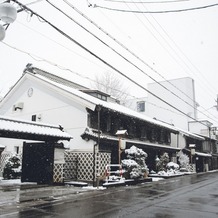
(121, 143)
(8, 14)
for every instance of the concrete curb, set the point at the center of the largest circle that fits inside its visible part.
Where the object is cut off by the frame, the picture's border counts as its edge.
(126, 182)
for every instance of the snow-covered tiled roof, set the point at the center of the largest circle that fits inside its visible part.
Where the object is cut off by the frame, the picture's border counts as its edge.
(93, 133)
(203, 154)
(192, 135)
(116, 107)
(62, 80)
(109, 105)
(2, 146)
(8, 124)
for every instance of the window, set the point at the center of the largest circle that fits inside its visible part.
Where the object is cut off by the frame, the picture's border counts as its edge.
(143, 133)
(102, 97)
(34, 117)
(206, 146)
(141, 106)
(16, 149)
(108, 123)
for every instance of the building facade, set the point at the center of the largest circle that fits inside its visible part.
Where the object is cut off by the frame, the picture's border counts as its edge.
(180, 93)
(92, 118)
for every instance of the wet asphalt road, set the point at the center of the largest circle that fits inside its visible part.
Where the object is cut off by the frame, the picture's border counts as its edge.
(181, 197)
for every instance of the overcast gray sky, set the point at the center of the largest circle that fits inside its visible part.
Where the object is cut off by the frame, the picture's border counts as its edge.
(171, 45)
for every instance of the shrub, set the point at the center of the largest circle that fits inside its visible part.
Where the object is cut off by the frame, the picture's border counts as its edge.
(135, 165)
(163, 161)
(12, 168)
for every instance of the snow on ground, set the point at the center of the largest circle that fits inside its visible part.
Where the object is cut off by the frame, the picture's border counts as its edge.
(94, 188)
(157, 179)
(13, 182)
(10, 181)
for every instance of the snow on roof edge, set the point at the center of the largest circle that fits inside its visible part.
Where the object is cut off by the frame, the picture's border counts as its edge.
(116, 107)
(109, 105)
(8, 118)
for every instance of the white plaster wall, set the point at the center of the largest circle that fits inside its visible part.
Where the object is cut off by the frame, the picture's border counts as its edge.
(11, 144)
(53, 108)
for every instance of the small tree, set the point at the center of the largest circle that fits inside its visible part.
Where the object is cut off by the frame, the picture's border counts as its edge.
(111, 85)
(163, 161)
(183, 160)
(12, 168)
(135, 163)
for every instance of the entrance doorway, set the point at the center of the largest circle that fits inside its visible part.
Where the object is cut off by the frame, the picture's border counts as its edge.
(38, 162)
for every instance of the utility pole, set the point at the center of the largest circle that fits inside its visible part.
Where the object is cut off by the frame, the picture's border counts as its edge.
(96, 157)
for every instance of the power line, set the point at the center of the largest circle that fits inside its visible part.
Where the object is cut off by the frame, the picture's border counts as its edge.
(113, 38)
(40, 59)
(180, 50)
(58, 43)
(155, 71)
(36, 1)
(151, 68)
(154, 12)
(101, 59)
(170, 54)
(119, 43)
(173, 93)
(147, 2)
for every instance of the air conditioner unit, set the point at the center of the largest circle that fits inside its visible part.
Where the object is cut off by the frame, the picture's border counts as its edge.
(18, 106)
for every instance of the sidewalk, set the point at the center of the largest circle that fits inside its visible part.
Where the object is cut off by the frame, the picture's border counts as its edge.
(14, 192)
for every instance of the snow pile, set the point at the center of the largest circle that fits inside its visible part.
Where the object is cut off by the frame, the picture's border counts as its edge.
(94, 188)
(114, 178)
(172, 165)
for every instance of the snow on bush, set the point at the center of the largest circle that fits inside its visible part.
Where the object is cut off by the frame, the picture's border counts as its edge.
(129, 163)
(172, 165)
(12, 168)
(163, 161)
(135, 164)
(135, 152)
(170, 169)
(169, 172)
(184, 161)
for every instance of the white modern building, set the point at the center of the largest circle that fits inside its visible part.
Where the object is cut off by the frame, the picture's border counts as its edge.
(179, 93)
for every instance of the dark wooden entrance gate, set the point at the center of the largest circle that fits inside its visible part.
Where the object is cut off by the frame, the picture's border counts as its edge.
(37, 163)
